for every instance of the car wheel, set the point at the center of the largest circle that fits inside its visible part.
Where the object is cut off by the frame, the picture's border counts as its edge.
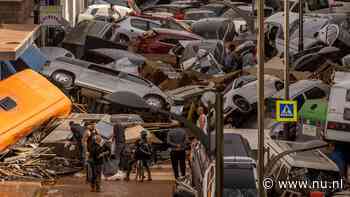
(66, 80)
(243, 105)
(123, 39)
(155, 101)
(279, 85)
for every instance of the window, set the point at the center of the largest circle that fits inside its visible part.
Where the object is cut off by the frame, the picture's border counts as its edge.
(104, 70)
(134, 79)
(95, 28)
(69, 55)
(94, 11)
(171, 25)
(153, 25)
(346, 114)
(317, 4)
(139, 24)
(348, 95)
(170, 41)
(315, 93)
(121, 3)
(108, 35)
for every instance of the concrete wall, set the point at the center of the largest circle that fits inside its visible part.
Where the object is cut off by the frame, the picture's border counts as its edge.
(16, 11)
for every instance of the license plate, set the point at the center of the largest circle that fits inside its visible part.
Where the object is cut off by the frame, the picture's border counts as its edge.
(177, 109)
(309, 130)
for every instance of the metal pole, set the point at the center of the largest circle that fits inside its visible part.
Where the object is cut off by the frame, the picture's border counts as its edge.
(286, 49)
(301, 26)
(260, 93)
(286, 134)
(219, 167)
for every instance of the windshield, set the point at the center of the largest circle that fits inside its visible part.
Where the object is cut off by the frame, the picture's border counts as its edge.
(317, 4)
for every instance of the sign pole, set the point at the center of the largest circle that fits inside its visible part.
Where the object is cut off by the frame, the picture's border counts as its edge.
(286, 60)
(219, 167)
(260, 93)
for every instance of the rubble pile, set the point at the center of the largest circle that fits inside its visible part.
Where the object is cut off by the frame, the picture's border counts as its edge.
(35, 164)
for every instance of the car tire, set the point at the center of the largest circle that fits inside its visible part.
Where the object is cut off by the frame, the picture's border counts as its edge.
(123, 39)
(279, 85)
(242, 104)
(64, 79)
(155, 101)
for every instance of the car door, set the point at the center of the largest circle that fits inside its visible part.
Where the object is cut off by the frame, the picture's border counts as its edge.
(100, 79)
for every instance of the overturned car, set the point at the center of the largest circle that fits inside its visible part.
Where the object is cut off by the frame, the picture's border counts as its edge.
(95, 80)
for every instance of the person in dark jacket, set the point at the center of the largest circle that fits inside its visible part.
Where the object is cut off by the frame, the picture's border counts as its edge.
(143, 153)
(118, 139)
(98, 152)
(78, 133)
(177, 139)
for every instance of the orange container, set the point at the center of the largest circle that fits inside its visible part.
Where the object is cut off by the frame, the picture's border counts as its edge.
(37, 101)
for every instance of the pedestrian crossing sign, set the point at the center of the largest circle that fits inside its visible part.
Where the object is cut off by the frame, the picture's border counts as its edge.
(286, 111)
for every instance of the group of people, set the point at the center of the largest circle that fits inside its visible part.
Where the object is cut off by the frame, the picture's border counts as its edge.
(95, 151)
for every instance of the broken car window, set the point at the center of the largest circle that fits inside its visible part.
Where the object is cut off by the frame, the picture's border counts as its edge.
(315, 93)
(139, 24)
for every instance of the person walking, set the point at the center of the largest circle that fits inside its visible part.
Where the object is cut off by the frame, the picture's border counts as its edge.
(87, 141)
(78, 132)
(176, 139)
(118, 143)
(143, 153)
(98, 151)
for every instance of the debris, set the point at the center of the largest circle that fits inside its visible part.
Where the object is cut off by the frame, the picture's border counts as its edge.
(134, 133)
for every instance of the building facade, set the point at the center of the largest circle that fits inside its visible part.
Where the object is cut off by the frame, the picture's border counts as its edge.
(21, 11)
(16, 11)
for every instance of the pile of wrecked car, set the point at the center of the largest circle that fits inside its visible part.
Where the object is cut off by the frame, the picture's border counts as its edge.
(171, 55)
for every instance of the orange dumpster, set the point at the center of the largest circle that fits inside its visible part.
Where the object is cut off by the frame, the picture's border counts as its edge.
(27, 100)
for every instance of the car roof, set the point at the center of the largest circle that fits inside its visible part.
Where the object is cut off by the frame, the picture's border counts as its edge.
(239, 176)
(177, 32)
(235, 145)
(279, 18)
(99, 6)
(199, 11)
(117, 54)
(298, 87)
